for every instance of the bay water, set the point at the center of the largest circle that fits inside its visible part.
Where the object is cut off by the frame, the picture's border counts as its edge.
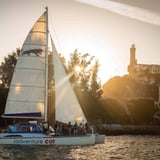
(126, 147)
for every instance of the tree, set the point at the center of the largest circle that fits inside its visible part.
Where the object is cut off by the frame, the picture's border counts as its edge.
(7, 68)
(84, 73)
(84, 78)
(95, 85)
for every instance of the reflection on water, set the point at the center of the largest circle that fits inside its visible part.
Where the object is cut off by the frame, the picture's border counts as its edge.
(115, 148)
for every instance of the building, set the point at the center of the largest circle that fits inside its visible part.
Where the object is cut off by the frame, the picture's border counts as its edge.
(139, 69)
(145, 73)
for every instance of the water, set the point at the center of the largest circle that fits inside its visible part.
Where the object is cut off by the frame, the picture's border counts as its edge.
(115, 148)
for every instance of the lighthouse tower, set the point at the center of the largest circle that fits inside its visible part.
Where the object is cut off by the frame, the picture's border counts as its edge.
(133, 62)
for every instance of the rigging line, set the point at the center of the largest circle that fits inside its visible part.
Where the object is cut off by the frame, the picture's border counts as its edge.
(55, 34)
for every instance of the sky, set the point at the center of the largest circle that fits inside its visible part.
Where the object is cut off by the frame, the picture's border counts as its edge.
(105, 29)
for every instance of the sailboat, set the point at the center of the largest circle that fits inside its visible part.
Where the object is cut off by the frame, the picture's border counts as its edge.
(28, 95)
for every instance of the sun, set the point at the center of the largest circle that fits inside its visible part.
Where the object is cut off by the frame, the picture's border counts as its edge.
(88, 44)
(77, 69)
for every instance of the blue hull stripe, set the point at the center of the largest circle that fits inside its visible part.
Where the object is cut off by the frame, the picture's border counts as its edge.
(35, 114)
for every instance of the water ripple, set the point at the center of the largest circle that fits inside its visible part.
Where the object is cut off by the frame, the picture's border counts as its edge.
(115, 148)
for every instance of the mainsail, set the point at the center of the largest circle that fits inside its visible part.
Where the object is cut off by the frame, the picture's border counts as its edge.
(67, 106)
(26, 98)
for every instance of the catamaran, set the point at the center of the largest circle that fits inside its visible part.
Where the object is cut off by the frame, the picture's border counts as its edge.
(28, 95)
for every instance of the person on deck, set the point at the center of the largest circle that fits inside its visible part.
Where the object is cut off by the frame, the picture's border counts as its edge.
(69, 128)
(45, 126)
(75, 129)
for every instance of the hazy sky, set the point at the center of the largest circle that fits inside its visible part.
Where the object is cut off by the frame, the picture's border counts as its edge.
(103, 28)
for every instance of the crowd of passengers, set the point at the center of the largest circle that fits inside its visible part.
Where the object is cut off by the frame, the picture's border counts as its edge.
(75, 129)
(59, 129)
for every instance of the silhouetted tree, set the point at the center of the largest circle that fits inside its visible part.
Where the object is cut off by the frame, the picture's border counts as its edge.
(7, 68)
(86, 77)
(85, 82)
(95, 85)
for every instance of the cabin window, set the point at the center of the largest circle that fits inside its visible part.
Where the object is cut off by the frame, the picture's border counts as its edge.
(12, 129)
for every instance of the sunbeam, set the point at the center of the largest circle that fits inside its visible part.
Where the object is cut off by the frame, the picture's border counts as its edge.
(126, 10)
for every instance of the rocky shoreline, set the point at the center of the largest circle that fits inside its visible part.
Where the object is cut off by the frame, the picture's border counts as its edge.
(129, 129)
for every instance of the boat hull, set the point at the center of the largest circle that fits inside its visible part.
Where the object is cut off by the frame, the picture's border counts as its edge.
(58, 140)
(99, 138)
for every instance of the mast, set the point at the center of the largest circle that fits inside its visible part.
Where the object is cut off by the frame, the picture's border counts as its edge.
(46, 75)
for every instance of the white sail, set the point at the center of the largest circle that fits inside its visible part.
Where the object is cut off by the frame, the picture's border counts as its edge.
(67, 106)
(26, 98)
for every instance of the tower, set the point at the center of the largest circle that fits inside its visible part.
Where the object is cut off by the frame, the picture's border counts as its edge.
(133, 61)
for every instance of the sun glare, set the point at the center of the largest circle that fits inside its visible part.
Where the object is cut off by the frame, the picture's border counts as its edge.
(88, 45)
(17, 88)
(77, 69)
